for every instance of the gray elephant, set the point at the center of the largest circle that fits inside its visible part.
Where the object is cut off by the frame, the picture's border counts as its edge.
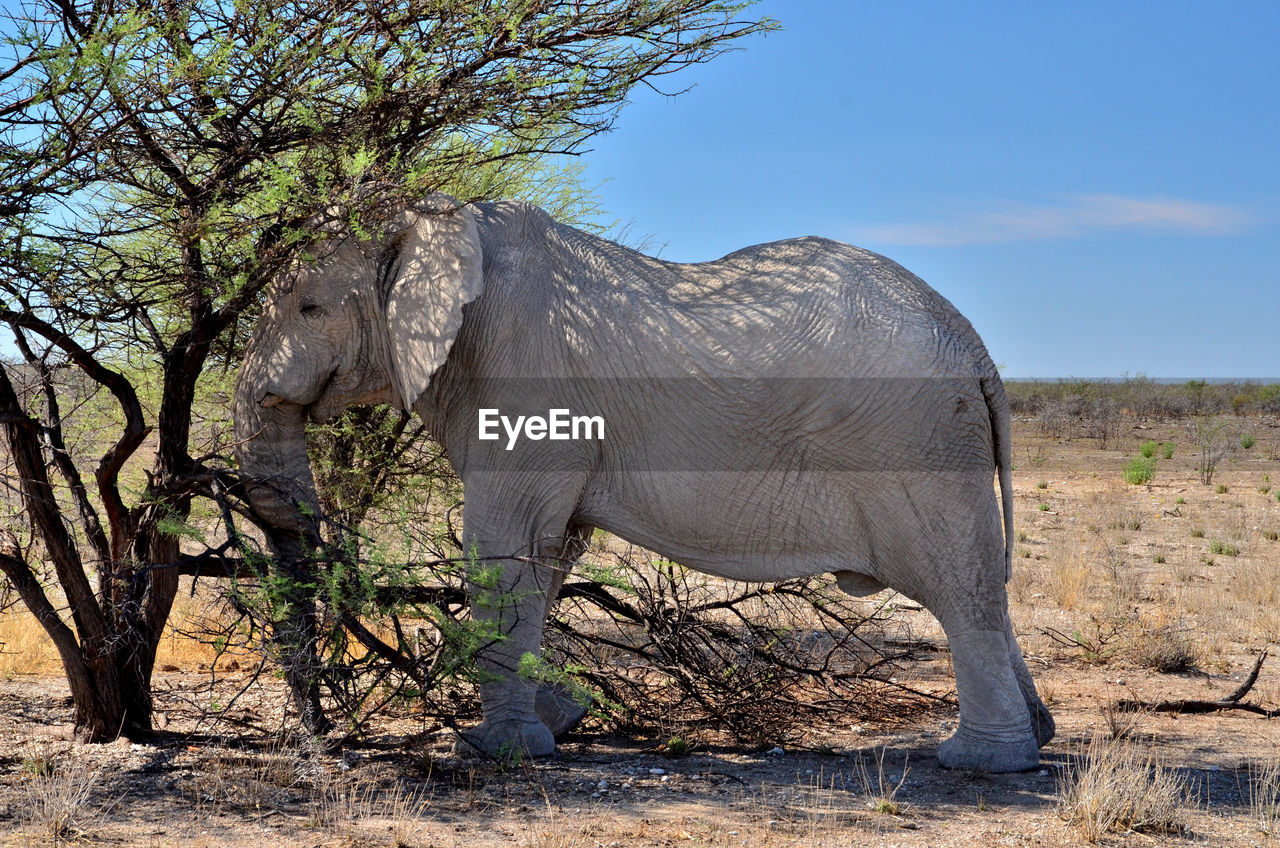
(794, 408)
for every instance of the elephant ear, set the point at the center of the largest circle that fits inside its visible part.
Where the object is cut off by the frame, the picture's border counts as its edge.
(434, 267)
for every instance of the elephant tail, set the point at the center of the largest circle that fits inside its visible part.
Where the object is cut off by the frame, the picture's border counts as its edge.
(998, 409)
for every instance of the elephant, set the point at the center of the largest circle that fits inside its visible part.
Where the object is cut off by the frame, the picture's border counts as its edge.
(795, 408)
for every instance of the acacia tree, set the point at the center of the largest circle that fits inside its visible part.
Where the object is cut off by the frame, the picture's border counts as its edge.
(157, 161)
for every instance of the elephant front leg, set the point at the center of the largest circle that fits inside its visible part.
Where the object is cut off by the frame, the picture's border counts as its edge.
(509, 597)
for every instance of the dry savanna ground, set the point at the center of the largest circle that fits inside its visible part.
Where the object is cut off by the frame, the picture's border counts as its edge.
(1148, 593)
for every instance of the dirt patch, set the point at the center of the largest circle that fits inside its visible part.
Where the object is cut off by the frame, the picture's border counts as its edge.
(1105, 573)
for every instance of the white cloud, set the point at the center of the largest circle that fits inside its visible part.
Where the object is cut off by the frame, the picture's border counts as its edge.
(1075, 217)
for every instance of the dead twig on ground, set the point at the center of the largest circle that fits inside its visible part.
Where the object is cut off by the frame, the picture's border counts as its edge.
(1199, 706)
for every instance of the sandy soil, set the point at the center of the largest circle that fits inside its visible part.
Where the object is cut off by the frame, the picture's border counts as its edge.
(1099, 556)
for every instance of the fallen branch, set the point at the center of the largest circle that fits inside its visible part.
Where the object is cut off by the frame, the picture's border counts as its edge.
(1193, 706)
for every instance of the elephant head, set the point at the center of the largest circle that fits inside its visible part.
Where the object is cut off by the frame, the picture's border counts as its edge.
(354, 320)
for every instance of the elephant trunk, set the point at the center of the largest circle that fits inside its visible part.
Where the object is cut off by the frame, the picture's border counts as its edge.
(271, 447)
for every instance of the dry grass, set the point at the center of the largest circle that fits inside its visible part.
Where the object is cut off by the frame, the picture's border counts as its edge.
(1120, 724)
(25, 648)
(1070, 578)
(256, 780)
(1115, 787)
(1257, 581)
(57, 798)
(347, 806)
(880, 792)
(1264, 796)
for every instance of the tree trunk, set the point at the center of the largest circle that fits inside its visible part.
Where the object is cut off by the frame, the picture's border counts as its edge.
(89, 660)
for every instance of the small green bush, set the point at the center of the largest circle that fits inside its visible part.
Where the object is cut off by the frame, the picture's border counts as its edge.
(1168, 450)
(1044, 507)
(1043, 484)
(676, 746)
(1247, 441)
(1148, 449)
(1220, 489)
(1139, 471)
(1180, 500)
(1197, 533)
(1225, 549)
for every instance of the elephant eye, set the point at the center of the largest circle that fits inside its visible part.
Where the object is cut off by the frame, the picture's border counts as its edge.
(311, 309)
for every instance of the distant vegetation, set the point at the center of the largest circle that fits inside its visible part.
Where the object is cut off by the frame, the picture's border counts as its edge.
(1059, 402)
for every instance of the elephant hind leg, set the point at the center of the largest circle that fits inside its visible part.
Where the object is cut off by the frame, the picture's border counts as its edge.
(950, 555)
(1003, 723)
(996, 732)
(1042, 723)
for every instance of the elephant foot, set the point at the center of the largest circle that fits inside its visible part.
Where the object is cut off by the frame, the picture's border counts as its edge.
(984, 753)
(507, 740)
(558, 709)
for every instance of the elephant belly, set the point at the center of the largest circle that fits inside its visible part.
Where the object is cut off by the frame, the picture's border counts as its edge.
(740, 525)
(776, 525)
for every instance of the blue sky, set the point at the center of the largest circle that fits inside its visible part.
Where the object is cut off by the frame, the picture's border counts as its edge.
(1095, 185)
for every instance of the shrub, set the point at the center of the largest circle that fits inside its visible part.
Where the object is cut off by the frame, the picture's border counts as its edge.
(1220, 489)
(1148, 449)
(1168, 450)
(1098, 641)
(1103, 422)
(1113, 788)
(1056, 418)
(1247, 441)
(1224, 548)
(1139, 471)
(1197, 533)
(676, 746)
(1210, 436)
(1166, 650)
